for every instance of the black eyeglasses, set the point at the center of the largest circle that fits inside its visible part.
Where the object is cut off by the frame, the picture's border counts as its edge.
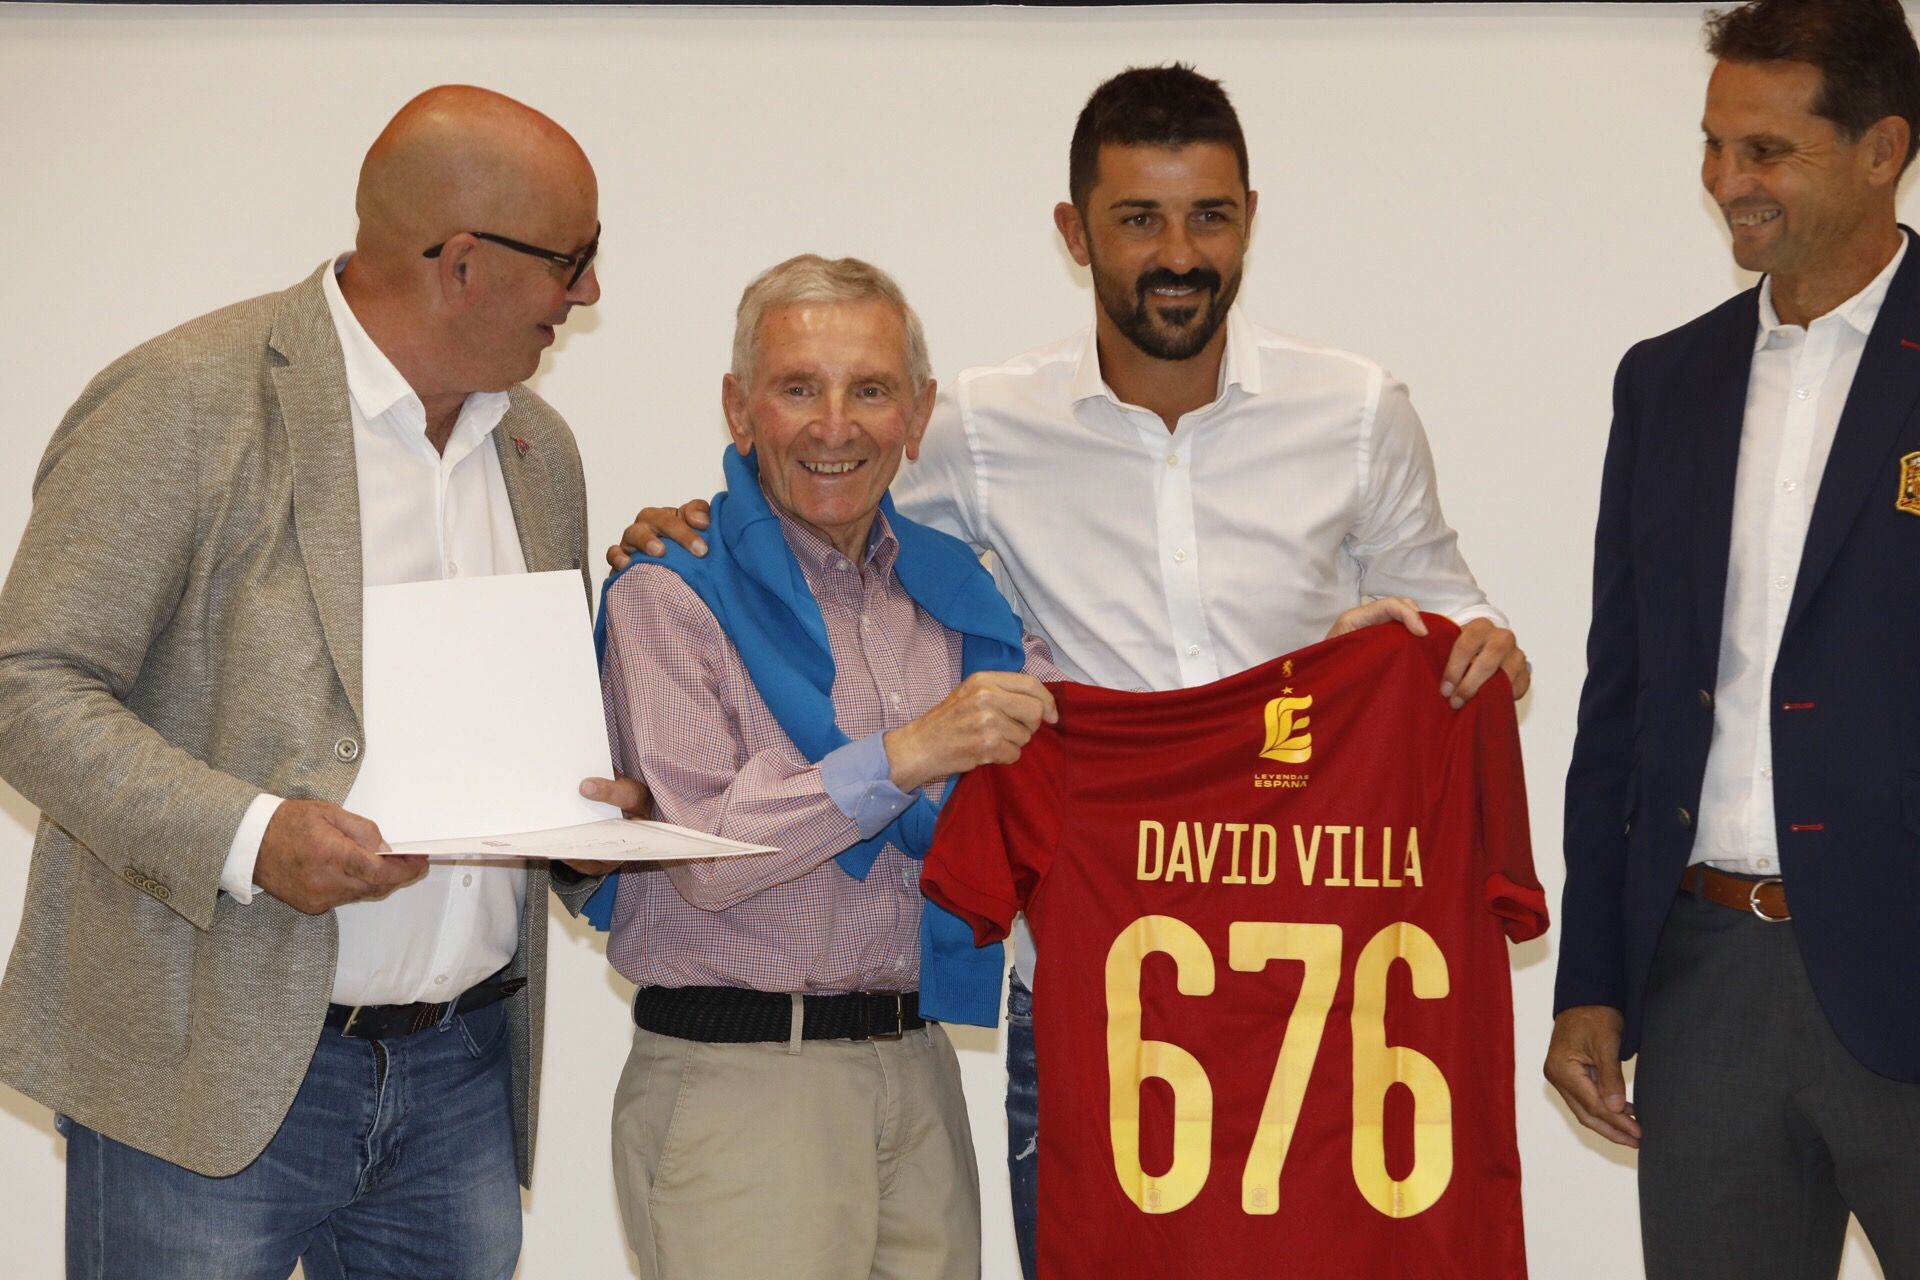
(578, 261)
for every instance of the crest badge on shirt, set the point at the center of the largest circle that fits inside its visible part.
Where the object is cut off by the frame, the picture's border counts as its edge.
(1287, 738)
(1908, 498)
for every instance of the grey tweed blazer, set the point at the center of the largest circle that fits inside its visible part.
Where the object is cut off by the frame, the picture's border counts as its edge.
(180, 631)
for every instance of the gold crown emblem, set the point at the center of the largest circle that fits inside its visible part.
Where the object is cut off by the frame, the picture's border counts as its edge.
(1907, 498)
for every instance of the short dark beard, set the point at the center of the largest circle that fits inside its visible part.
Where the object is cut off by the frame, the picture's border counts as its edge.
(1188, 329)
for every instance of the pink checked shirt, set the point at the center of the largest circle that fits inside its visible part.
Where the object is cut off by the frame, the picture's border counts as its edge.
(684, 715)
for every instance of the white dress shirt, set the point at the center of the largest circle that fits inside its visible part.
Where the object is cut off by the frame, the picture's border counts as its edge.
(424, 515)
(1150, 559)
(1796, 389)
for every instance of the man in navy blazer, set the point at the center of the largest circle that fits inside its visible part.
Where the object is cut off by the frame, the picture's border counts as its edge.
(1743, 805)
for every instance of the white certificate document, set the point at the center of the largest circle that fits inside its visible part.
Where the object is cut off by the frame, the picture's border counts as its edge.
(482, 702)
(615, 840)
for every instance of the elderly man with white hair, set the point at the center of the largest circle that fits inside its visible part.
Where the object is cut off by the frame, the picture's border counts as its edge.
(812, 684)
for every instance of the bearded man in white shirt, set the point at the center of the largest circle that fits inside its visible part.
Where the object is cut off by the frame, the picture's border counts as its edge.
(180, 696)
(1176, 494)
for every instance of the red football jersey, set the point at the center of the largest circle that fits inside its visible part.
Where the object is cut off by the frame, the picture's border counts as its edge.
(1273, 1015)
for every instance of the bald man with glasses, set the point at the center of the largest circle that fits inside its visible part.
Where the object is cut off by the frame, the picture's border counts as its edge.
(269, 1042)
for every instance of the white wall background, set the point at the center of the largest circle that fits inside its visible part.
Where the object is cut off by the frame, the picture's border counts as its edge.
(1494, 200)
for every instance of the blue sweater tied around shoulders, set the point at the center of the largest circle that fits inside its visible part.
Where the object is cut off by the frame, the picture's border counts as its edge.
(752, 583)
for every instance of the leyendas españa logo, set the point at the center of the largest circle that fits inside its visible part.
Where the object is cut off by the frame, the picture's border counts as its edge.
(1287, 738)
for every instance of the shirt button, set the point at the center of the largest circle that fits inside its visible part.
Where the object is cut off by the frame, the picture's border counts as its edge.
(906, 876)
(466, 879)
(440, 980)
(1173, 459)
(1193, 651)
(1790, 485)
(346, 750)
(1179, 555)
(1765, 864)
(842, 565)
(1767, 772)
(866, 621)
(1780, 581)
(1802, 393)
(453, 569)
(895, 697)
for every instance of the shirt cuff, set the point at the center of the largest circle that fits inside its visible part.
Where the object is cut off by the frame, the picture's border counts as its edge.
(858, 779)
(236, 877)
(1462, 617)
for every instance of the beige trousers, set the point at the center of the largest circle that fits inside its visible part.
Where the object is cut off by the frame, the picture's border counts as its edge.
(845, 1161)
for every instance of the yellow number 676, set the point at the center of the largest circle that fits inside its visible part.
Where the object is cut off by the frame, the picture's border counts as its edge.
(1377, 1066)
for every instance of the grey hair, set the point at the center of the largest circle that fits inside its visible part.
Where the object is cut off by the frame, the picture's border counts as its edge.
(812, 278)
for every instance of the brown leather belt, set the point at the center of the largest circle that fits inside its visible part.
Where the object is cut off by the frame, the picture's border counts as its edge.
(1764, 898)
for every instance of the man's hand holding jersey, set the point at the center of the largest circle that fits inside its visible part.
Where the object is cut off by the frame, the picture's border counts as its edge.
(1481, 650)
(985, 720)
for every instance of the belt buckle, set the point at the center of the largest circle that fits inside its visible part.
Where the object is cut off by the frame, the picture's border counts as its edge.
(1753, 900)
(899, 1016)
(346, 1030)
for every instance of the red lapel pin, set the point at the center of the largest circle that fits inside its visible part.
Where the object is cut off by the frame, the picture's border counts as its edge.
(522, 446)
(1909, 342)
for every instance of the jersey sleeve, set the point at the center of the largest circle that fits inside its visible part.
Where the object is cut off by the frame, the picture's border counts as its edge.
(996, 837)
(1512, 889)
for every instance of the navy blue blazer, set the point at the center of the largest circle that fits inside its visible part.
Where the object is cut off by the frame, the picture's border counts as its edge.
(1845, 708)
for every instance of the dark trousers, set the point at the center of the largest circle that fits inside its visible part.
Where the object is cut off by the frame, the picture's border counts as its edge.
(1023, 1120)
(1761, 1132)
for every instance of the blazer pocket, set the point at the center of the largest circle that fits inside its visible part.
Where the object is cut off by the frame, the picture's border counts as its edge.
(129, 990)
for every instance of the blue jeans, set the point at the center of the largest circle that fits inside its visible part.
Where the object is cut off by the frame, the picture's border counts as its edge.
(1023, 1118)
(396, 1159)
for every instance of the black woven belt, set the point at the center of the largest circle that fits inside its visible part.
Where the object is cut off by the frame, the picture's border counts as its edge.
(733, 1015)
(389, 1021)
